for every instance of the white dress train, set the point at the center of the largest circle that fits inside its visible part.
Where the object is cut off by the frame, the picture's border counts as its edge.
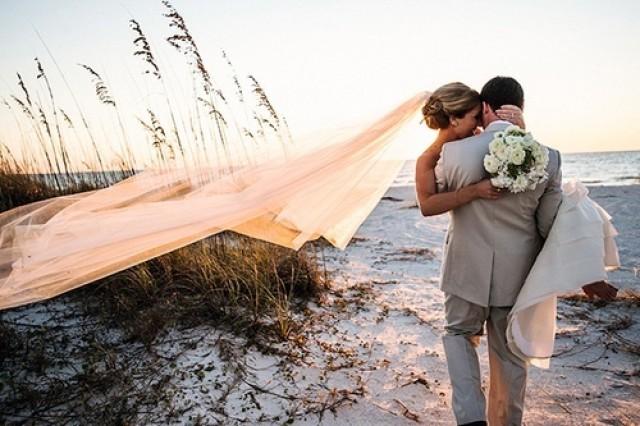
(579, 249)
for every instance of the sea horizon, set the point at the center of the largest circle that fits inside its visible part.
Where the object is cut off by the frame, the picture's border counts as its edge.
(600, 168)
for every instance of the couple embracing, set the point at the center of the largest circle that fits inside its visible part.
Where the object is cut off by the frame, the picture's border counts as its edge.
(493, 240)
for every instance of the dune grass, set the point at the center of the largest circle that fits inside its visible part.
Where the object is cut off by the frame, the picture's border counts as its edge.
(225, 269)
(74, 358)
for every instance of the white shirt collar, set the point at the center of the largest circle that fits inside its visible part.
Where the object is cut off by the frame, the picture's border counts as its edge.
(496, 122)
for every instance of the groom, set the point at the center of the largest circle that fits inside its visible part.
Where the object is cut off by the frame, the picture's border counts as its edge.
(489, 250)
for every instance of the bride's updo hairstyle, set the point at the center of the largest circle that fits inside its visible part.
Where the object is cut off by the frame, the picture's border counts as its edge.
(450, 100)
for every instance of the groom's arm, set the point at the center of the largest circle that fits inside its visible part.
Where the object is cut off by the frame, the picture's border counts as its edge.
(551, 198)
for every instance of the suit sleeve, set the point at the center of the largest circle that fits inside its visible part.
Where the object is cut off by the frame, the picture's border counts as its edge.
(550, 200)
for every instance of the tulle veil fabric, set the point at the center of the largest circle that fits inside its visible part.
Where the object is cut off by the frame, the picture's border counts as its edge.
(53, 246)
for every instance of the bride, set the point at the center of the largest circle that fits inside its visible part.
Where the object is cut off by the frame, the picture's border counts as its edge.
(454, 110)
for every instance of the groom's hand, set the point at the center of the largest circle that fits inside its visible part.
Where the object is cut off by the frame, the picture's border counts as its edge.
(602, 289)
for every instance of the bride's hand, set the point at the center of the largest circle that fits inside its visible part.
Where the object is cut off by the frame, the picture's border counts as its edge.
(602, 289)
(484, 189)
(512, 114)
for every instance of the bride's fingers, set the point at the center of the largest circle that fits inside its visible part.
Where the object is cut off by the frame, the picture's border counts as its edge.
(512, 116)
(512, 108)
(508, 113)
(494, 194)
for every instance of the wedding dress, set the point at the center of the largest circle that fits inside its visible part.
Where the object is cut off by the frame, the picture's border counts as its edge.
(579, 249)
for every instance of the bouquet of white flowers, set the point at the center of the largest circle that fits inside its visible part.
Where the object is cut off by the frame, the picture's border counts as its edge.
(516, 161)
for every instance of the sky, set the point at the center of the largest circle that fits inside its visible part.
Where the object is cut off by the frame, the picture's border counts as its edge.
(332, 63)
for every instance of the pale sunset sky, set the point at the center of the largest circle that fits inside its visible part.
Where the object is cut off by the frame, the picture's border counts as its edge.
(336, 62)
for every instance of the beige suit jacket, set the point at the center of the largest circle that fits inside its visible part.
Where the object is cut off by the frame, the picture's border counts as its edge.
(491, 245)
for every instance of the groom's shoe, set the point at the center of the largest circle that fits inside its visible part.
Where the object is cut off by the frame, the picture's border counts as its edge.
(478, 423)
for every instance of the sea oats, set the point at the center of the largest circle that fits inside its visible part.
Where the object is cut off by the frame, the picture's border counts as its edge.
(25, 109)
(236, 81)
(213, 111)
(144, 49)
(184, 43)
(61, 145)
(101, 88)
(66, 118)
(158, 135)
(263, 100)
(24, 89)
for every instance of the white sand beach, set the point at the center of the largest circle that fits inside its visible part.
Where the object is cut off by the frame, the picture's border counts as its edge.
(284, 120)
(390, 272)
(371, 354)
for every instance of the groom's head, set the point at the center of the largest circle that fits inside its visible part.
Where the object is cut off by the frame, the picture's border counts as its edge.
(497, 92)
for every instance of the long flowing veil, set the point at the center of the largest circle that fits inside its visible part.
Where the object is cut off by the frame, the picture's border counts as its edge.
(53, 246)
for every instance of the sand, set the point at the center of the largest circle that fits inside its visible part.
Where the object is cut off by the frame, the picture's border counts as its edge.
(374, 345)
(371, 350)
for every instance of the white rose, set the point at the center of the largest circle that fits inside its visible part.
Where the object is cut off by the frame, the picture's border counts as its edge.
(491, 163)
(520, 184)
(545, 154)
(517, 156)
(527, 142)
(501, 181)
(536, 148)
(495, 144)
(501, 152)
(513, 129)
(541, 156)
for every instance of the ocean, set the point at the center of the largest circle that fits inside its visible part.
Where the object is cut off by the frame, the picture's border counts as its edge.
(592, 168)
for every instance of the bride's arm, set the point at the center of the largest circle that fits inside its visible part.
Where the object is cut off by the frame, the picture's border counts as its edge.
(512, 114)
(431, 202)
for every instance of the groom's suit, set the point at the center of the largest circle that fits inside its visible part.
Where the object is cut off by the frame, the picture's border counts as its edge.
(489, 249)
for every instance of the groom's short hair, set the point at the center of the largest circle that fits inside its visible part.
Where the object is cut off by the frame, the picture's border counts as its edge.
(502, 91)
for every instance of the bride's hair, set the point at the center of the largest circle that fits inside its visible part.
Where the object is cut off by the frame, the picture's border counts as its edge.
(450, 100)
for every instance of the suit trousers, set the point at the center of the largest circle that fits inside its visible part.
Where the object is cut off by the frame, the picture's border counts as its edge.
(508, 373)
